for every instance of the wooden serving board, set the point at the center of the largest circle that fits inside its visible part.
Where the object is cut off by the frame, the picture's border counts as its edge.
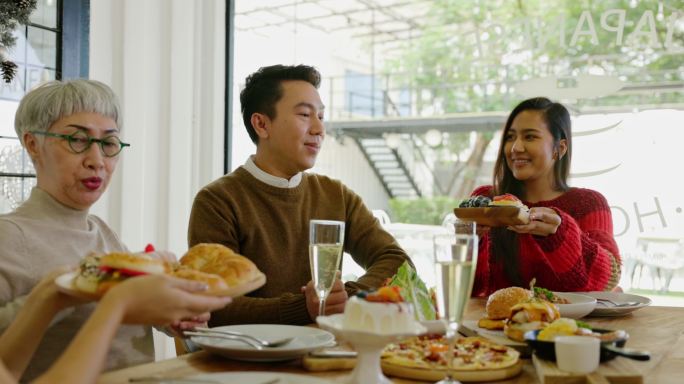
(434, 375)
(616, 371)
(320, 364)
(494, 216)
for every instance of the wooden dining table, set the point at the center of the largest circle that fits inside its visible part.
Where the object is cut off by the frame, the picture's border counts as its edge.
(659, 330)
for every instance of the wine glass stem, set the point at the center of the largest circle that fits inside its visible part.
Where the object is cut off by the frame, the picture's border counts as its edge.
(450, 357)
(321, 307)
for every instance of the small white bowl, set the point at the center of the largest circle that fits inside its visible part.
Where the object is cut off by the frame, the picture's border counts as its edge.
(580, 305)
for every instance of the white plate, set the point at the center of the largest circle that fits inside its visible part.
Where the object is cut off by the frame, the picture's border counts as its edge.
(305, 339)
(65, 285)
(258, 378)
(495, 335)
(580, 305)
(609, 310)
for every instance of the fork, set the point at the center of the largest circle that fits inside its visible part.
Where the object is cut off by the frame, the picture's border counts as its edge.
(626, 304)
(262, 343)
(247, 341)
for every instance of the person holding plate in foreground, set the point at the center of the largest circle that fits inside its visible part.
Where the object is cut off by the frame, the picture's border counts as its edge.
(568, 244)
(262, 209)
(71, 130)
(152, 299)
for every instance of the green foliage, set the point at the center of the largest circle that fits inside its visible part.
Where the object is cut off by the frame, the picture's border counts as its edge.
(471, 52)
(426, 210)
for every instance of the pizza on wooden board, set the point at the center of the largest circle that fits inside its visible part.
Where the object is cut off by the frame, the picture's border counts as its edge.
(430, 352)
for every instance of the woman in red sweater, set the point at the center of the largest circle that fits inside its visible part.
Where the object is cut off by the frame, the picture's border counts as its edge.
(568, 244)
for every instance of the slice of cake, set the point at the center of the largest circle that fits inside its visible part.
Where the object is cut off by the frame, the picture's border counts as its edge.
(383, 312)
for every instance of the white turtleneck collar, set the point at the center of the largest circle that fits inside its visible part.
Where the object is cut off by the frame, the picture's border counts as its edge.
(269, 179)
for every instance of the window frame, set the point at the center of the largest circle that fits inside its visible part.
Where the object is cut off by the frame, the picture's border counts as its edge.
(72, 56)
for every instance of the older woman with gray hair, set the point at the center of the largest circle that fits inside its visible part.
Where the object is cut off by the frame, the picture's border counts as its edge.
(71, 130)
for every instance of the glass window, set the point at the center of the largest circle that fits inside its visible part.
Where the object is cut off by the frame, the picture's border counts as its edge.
(36, 54)
(417, 92)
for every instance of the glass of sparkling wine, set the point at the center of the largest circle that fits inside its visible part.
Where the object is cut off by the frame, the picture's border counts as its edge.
(455, 257)
(326, 238)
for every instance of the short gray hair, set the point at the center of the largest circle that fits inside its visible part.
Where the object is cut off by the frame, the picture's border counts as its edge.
(49, 102)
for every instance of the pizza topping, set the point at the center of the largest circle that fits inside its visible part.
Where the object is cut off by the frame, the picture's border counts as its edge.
(469, 353)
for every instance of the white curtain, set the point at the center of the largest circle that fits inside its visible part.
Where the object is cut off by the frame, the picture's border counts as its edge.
(166, 61)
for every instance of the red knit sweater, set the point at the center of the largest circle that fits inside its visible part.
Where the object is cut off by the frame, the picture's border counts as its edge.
(578, 257)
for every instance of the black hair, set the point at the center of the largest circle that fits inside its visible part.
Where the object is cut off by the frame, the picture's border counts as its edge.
(264, 88)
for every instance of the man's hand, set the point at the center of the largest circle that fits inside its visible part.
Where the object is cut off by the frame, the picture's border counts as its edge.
(178, 327)
(334, 303)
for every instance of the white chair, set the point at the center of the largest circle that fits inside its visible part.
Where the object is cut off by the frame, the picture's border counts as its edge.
(382, 217)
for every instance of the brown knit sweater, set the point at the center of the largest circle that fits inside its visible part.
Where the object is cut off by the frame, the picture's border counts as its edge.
(270, 225)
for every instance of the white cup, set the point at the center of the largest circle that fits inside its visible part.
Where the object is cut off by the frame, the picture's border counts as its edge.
(577, 354)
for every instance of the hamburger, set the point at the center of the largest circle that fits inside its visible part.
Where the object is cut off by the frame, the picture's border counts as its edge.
(529, 316)
(98, 273)
(499, 305)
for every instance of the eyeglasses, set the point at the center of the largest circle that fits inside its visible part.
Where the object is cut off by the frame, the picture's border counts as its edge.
(79, 142)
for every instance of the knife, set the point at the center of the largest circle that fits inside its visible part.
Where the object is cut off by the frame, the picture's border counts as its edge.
(466, 331)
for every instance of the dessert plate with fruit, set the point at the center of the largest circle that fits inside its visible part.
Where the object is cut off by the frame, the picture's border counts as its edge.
(501, 211)
(371, 321)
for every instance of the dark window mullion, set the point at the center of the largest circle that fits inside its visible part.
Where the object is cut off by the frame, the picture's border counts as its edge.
(18, 175)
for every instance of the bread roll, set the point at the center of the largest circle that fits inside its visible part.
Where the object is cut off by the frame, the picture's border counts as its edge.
(235, 269)
(213, 281)
(499, 303)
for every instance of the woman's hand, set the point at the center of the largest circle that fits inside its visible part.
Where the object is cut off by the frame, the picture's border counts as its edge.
(543, 222)
(163, 300)
(46, 294)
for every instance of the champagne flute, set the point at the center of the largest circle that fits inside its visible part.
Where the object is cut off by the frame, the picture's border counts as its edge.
(455, 256)
(326, 238)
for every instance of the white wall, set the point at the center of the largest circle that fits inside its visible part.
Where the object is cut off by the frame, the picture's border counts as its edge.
(344, 161)
(166, 61)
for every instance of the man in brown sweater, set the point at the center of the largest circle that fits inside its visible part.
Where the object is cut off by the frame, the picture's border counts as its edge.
(262, 209)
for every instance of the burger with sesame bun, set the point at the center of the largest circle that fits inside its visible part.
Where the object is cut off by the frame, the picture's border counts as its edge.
(98, 273)
(499, 305)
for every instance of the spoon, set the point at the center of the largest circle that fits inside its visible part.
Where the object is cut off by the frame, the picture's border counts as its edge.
(630, 353)
(263, 343)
